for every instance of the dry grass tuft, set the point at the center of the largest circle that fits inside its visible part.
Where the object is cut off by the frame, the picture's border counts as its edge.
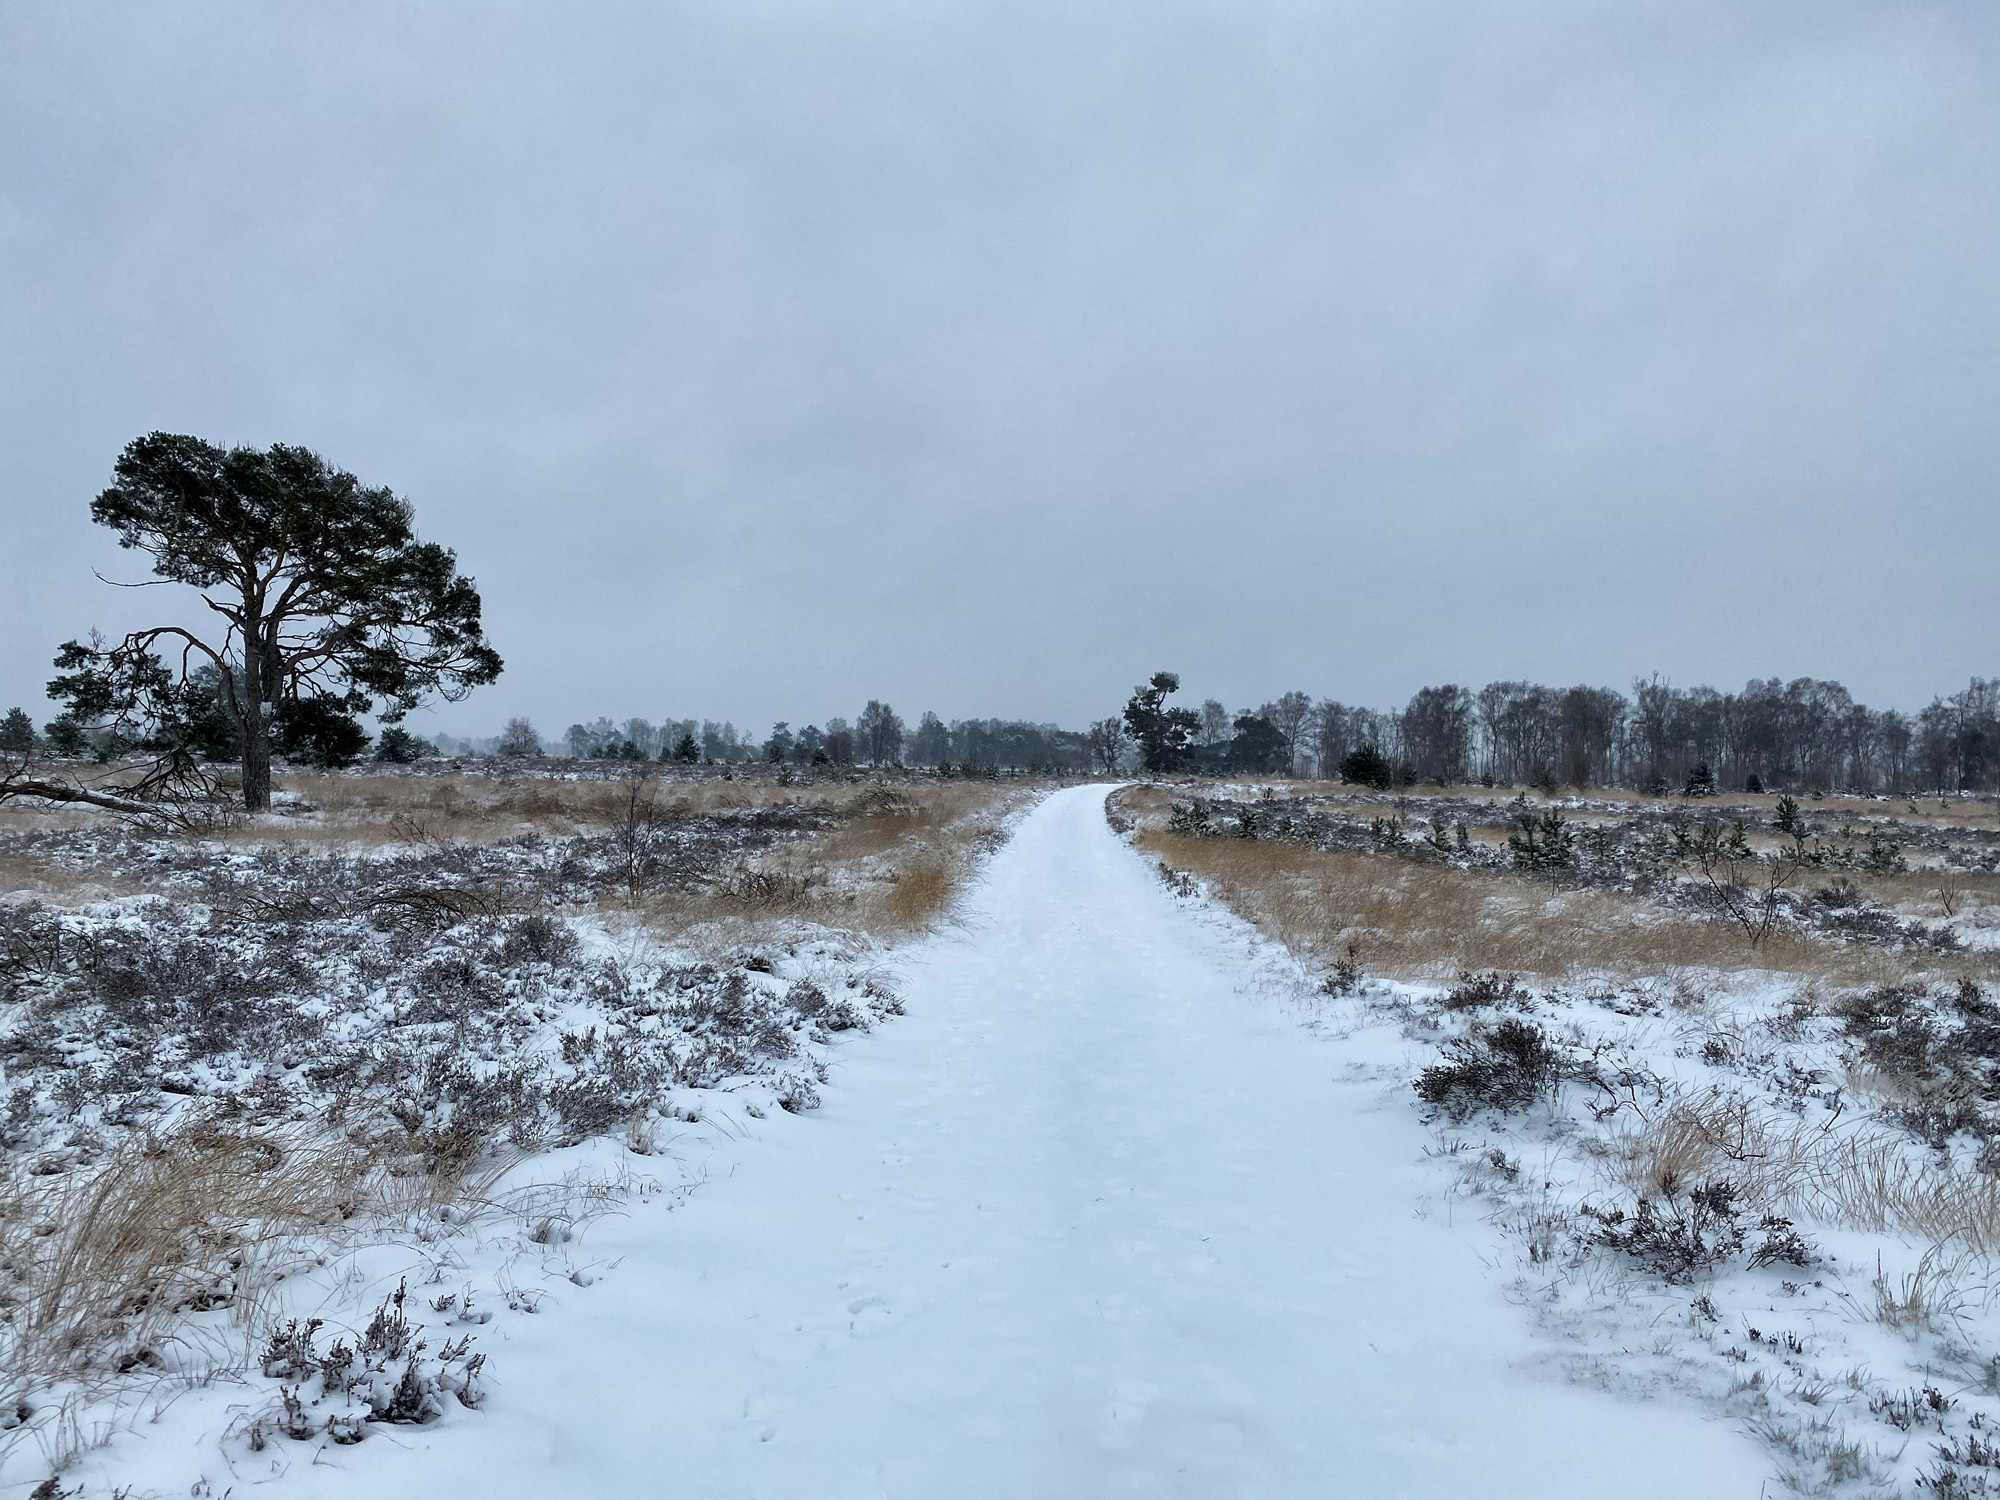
(110, 1268)
(1935, 1296)
(919, 895)
(1861, 1175)
(106, 1264)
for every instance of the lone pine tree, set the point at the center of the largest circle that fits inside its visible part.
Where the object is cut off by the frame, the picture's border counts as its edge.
(1165, 735)
(327, 602)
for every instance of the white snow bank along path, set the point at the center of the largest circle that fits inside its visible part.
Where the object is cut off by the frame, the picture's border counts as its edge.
(1088, 1222)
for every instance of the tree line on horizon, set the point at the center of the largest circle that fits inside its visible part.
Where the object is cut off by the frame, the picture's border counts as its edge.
(878, 736)
(1803, 735)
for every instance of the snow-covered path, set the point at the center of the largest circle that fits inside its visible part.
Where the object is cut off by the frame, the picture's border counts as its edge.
(1089, 1222)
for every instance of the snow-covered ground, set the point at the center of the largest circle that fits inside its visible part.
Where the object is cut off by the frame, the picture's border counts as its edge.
(1097, 1218)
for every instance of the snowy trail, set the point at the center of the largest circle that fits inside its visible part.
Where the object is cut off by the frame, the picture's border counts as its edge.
(1089, 1221)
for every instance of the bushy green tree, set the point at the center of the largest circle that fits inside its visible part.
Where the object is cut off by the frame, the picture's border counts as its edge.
(1364, 765)
(324, 594)
(1259, 747)
(318, 732)
(398, 746)
(66, 737)
(17, 732)
(1541, 842)
(1165, 735)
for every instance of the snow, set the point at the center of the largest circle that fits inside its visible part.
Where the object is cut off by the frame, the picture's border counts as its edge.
(1099, 1217)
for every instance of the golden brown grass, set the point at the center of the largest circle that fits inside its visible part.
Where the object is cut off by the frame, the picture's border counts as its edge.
(387, 807)
(1410, 920)
(1926, 892)
(1857, 1173)
(107, 1262)
(108, 1267)
(893, 864)
(894, 869)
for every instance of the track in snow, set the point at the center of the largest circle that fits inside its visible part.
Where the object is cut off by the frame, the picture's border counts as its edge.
(1088, 1222)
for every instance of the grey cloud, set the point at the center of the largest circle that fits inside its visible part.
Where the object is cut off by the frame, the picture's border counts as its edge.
(760, 359)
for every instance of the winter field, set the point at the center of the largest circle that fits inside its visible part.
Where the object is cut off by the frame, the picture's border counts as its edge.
(559, 1132)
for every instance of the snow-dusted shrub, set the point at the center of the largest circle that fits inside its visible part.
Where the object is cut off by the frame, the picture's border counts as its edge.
(1967, 1468)
(1506, 1065)
(387, 1374)
(1344, 977)
(1487, 991)
(795, 1092)
(436, 1045)
(1681, 1234)
(1936, 1050)
(537, 938)
(1904, 1410)
(837, 1013)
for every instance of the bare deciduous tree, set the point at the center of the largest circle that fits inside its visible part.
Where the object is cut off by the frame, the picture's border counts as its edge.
(519, 739)
(1437, 732)
(1292, 717)
(879, 734)
(1107, 741)
(1214, 728)
(1745, 886)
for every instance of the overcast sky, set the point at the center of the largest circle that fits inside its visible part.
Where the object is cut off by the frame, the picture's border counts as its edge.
(758, 359)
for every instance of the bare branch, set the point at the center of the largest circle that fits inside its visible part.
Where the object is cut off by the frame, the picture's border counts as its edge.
(56, 791)
(150, 583)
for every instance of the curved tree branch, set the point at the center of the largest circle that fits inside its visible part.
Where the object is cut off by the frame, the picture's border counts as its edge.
(57, 791)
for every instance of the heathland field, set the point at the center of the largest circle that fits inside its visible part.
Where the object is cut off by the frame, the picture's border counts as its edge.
(571, 1128)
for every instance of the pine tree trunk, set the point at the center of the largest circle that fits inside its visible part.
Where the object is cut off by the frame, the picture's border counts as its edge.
(256, 728)
(257, 765)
